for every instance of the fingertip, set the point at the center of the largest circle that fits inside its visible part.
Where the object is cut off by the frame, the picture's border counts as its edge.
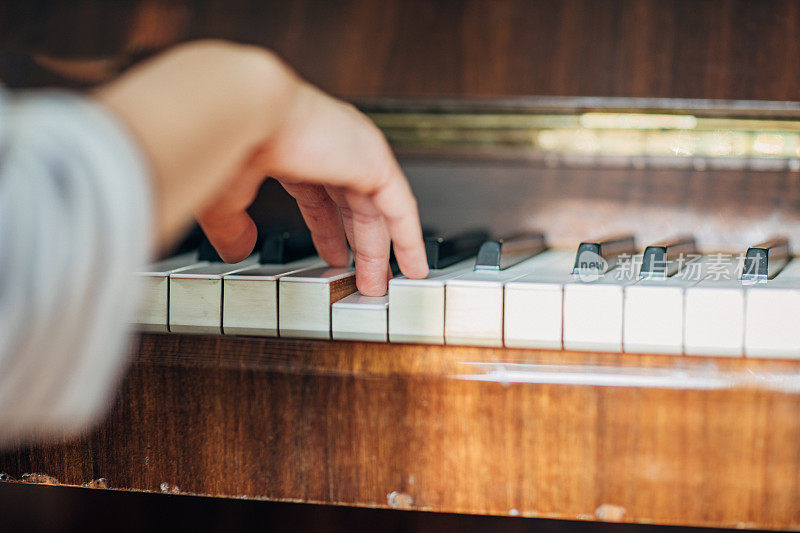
(233, 236)
(239, 248)
(370, 285)
(416, 272)
(338, 263)
(414, 264)
(370, 290)
(335, 258)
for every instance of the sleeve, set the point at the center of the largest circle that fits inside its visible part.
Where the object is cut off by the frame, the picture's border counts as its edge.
(75, 215)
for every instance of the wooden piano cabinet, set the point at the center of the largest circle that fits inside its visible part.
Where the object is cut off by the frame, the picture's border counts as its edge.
(589, 436)
(732, 49)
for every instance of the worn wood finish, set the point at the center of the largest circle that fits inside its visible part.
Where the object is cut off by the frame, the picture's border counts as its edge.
(394, 425)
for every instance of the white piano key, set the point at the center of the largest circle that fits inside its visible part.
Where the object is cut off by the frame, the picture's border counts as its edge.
(714, 317)
(533, 304)
(361, 318)
(250, 297)
(474, 301)
(533, 309)
(154, 283)
(653, 319)
(416, 306)
(195, 297)
(305, 299)
(772, 318)
(593, 310)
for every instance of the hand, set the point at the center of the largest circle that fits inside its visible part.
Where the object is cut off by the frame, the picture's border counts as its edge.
(216, 118)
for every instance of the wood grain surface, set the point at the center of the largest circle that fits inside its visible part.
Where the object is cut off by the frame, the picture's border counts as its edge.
(712, 441)
(734, 49)
(684, 48)
(342, 287)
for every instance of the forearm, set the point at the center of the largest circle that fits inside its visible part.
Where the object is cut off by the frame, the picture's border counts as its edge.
(74, 222)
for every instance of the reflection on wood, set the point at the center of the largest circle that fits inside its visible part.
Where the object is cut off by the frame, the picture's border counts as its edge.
(725, 210)
(731, 49)
(701, 441)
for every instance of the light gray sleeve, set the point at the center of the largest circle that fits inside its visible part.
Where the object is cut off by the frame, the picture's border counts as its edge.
(75, 215)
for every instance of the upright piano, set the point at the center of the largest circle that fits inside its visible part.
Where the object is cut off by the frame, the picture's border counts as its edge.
(610, 328)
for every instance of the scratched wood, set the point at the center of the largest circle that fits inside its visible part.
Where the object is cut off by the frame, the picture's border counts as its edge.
(410, 426)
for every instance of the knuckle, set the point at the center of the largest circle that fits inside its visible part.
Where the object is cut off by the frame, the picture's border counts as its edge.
(367, 219)
(370, 258)
(402, 248)
(350, 108)
(324, 239)
(314, 204)
(205, 45)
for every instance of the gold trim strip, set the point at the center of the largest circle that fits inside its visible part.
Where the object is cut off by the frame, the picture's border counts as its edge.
(638, 133)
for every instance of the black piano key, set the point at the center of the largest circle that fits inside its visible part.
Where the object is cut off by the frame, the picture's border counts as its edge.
(663, 259)
(286, 246)
(597, 257)
(443, 251)
(504, 253)
(764, 261)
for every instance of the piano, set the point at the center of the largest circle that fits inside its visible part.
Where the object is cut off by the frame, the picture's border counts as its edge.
(609, 331)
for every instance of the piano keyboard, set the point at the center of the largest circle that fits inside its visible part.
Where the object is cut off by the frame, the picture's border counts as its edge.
(602, 296)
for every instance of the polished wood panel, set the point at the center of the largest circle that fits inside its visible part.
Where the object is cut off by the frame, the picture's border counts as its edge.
(725, 210)
(475, 430)
(735, 49)
(708, 49)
